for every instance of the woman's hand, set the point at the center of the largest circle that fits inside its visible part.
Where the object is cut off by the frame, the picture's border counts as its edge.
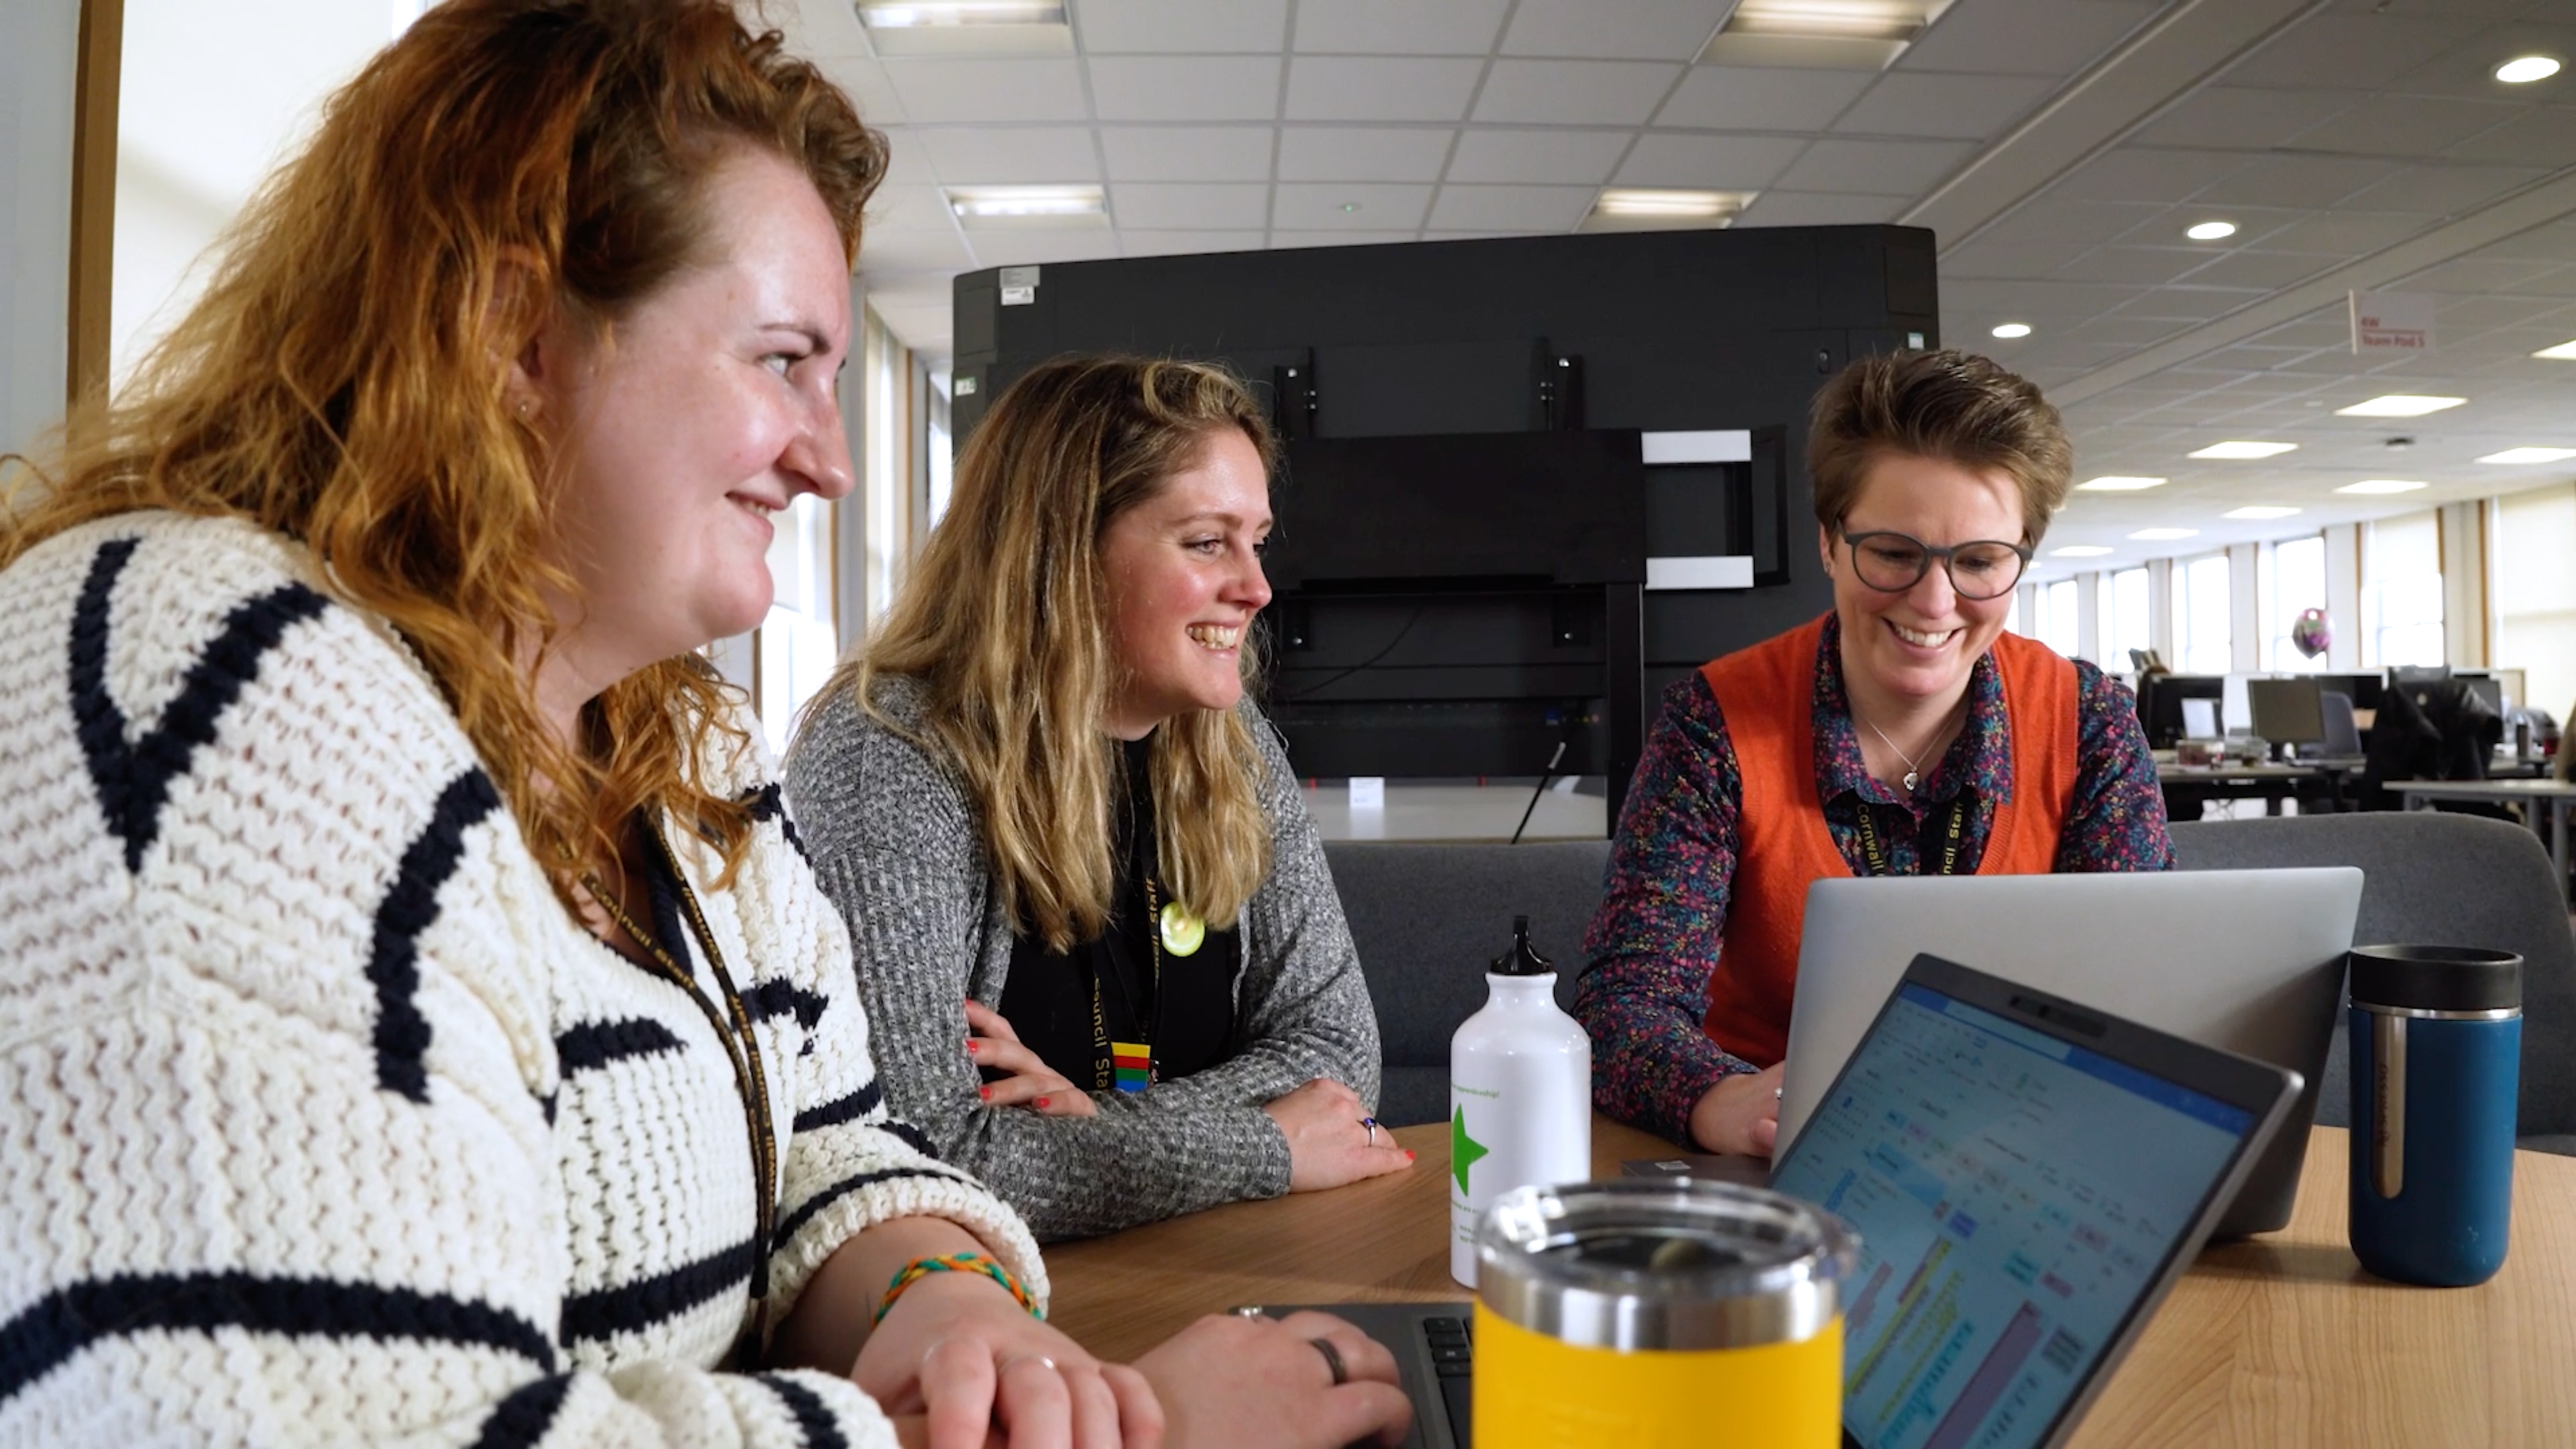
(961, 1352)
(1260, 1383)
(1740, 1114)
(1329, 1137)
(1032, 1082)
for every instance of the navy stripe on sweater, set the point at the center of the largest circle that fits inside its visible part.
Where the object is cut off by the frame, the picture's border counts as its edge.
(604, 1313)
(408, 909)
(527, 1415)
(813, 1419)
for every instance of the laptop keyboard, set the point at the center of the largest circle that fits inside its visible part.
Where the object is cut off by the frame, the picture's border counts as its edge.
(1453, 1351)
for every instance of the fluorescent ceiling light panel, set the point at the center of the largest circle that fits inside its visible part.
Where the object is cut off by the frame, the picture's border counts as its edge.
(1028, 208)
(2079, 550)
(2011, 330)
(964, 27)
(2245, 450)
(2399, 405)
(2117, 483)
(1820, 34)
(2258, 510)
(2524, 69)
(2563, 352)
(2154, 535)
(2529, 455)
(2381, 485)
(2211, 231)
(1635, 208)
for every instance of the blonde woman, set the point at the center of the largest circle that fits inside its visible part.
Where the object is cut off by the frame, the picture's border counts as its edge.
(1099, 947)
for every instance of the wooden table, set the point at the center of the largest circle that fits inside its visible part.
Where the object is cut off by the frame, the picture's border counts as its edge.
(2280, 1340)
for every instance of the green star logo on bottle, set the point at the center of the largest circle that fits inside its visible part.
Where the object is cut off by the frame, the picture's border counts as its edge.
(1464, 1151)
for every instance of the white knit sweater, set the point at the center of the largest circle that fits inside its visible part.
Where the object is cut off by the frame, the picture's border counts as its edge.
(320, 1118)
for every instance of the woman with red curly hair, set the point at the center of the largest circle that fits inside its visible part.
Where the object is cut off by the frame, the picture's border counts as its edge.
(421, 1019)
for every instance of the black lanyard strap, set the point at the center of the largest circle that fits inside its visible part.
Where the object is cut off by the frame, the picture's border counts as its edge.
(1875, 855)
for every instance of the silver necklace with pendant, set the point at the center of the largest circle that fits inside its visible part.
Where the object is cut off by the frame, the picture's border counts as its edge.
(1913, 771)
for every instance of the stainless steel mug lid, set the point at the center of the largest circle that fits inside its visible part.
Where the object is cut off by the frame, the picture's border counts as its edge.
(1662, 1264)
(2440, 979)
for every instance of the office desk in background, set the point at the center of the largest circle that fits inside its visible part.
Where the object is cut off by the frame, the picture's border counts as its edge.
(2276, 1342)
(2187, 787)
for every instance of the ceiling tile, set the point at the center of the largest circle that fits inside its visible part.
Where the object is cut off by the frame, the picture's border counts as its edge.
(1368, 88)
(1885, 168)
(1353, 153)
(1004, 155)
(2271, 271)
(1972, 107)
(867, 84)
(1632, 29)
(2059, 220)
(2025, 37)
(1502, 154)
(2404, 126)
(907, 163)
(1187, 153)
(2363, 51)
(1206, 206)
(1990, 256)
(2543, 136)
(1511, 208)
(2469, 71)
(2443, 190)
(2139, 266)
(1108, 27)
(1725, 163)
(1747, 98)
(987, 91)
(912, 251)
(2241, 118)
(1037, 248)
(1373, 206)
(908, 208)
(1574, 92)
(1415, 27)
(2191, 304)
(1196, 88)
(1181, 243)
(2141, 173)
(1289, 240)
(1793, 208)
(2343, 232)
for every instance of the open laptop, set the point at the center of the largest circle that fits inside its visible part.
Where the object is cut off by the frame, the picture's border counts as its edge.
(2249, 961)
(2029, 1176)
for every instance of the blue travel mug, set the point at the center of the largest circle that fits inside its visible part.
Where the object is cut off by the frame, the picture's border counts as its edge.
(2436, 1037)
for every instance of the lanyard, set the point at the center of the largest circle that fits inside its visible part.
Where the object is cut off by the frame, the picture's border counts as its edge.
(1876, 856)
(1128, 1065)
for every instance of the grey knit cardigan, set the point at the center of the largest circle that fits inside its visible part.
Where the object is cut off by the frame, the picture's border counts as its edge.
(898, 845)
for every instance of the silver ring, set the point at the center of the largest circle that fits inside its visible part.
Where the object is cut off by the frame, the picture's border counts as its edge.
(1024, 1358)
(1332, 1360)
(1246, 1310)
(1371, 1124)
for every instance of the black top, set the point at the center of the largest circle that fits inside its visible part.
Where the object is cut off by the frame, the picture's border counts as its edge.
(1180, 1006)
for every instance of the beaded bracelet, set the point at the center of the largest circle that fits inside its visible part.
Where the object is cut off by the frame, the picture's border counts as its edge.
(920, 1268)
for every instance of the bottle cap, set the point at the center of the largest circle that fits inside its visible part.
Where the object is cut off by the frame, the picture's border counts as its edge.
(1521, 960)
(2436, 978)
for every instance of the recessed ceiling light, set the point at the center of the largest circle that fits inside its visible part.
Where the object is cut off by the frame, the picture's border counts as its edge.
(2529, 455)
(2524, 69)
(2116, 483)
(2398, 405)
(2154, 535)
(2211, 231)
(2245, 450)
(1022, 208)
(2011, 330)
(2079, 550)
(955, 27)
(2258, 510)
(2381, 485)
(2563, 352)
(1635, 208)
(1820, 34)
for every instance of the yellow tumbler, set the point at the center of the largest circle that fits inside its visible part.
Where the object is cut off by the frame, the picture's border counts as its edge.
(1648, 1313)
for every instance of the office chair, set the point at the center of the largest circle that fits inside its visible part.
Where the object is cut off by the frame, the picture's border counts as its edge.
(2342, 734)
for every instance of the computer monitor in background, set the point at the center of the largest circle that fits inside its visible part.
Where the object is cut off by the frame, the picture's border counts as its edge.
(2486, 687)
(2362, 689)
(2287, 711)
(2160, 707)
(2200, 719)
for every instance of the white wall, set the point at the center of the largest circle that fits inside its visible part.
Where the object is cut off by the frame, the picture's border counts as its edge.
(39, 68)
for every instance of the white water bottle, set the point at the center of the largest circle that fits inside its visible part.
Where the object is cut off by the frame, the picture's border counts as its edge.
(1520, 1095)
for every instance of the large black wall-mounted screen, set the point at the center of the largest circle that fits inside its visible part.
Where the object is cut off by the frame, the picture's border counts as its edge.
(1460, 510)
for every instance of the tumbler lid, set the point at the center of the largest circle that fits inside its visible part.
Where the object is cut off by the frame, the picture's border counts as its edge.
(2436, 978)
(1671, 1263)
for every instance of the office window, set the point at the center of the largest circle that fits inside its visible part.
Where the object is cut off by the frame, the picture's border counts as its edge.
(2535, 594)
(2125, 616)
(2012, 615)
(797, 642)
(2401, 595)
(2203, 631)
(2292, 577)
(2057, 618)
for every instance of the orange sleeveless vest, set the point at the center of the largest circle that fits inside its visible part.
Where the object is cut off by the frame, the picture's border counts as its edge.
(1766, 693)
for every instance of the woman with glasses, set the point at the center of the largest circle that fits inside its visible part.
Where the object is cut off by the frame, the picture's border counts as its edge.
(1904, 733)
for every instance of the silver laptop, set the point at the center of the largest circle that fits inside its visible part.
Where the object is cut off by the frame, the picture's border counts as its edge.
(2249, 961)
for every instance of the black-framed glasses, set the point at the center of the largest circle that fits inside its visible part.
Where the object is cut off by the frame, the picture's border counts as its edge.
(1893, 562)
